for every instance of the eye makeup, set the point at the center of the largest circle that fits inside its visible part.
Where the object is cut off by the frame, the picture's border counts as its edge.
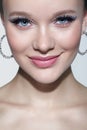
(21, 21)
(65, 19)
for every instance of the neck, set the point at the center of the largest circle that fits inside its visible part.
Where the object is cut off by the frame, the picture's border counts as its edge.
(43, 88)
(31, 91)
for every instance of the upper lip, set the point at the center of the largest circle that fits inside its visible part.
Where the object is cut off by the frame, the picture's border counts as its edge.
(43, 58)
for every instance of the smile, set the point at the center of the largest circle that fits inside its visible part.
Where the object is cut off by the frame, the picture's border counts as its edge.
(44, 62)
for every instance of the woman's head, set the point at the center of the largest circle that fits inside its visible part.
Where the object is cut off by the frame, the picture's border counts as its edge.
(44, 40)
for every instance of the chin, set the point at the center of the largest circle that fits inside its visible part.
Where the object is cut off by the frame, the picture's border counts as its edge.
(46, 79)
(43, 85)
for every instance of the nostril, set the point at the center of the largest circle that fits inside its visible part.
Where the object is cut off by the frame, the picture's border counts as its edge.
(44, 46)
(34, 45)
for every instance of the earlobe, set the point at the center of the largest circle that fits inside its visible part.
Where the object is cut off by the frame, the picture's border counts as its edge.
(84, 25)
(84, 32)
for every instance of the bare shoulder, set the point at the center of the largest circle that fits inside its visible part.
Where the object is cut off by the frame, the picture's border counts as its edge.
(4, 101)
(81, 96)
(73, 117)
(82, 93)
(79, 109)
(10, 113)
(4, 92)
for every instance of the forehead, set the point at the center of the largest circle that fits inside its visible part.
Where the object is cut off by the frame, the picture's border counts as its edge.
(42, 5)
(43, 2)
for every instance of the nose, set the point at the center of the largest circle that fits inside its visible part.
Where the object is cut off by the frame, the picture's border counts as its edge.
(44, 42)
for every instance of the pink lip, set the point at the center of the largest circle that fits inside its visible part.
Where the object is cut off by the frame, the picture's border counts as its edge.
(44, 62)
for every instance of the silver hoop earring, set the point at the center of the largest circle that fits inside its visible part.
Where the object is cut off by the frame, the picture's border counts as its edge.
(1, 52)
(83, 52)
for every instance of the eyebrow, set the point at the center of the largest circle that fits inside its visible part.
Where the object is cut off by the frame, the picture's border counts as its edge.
(62, 12)
(65, 11)
(57, 13)
(20, 13)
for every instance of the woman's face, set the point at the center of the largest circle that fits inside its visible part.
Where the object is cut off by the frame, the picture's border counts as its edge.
(44, 35)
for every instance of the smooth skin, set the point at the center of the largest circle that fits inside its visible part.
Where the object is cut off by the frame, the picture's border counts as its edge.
(44, 98)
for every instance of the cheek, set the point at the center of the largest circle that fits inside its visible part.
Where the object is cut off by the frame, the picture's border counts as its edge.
(18, 40)
(69, 39)
(72, 41)
(17, 43)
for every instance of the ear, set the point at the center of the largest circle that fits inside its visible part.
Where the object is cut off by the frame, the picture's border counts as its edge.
(84, 25)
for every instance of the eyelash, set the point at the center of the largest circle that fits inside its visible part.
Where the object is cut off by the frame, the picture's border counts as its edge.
(21, 22)
(64, 20)
(61, 21)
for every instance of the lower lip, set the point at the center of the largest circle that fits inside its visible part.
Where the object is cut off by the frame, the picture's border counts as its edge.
(44, 63)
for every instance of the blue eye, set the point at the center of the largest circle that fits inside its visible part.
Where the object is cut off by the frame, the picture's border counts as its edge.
(63, 20)
(21, 22)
